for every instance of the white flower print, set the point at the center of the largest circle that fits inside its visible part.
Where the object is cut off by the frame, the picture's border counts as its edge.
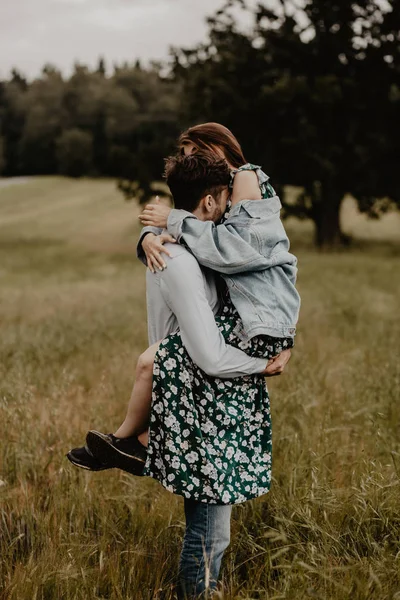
(158, 463)
(191, 457)
(244, 345)
(208, 426)
(170, 420)
(175, 463)
(230, 452)
(206, 469)
(225, 497)
(169, 364)
(184, 377)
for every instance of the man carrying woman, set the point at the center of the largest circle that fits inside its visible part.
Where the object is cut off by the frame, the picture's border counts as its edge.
(210, 431)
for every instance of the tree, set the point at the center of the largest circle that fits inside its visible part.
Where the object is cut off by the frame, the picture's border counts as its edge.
(12, 117)
(75, 153)
(130, 116)
(2, 156)
(152, 133)
(44, 119)
(301, 101)
(101, 67)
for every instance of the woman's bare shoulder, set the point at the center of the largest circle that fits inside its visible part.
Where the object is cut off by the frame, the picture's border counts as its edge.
(245, 187)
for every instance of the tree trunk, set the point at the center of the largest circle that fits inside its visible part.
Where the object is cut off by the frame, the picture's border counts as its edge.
(326, 212)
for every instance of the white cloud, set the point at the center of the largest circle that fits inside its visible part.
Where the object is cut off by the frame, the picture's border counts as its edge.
(35, 32)
(70, 1)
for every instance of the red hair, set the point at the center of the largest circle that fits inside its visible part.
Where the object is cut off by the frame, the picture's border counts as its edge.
(209, 136)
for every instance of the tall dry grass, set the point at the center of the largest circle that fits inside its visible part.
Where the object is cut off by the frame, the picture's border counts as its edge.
(72, 316)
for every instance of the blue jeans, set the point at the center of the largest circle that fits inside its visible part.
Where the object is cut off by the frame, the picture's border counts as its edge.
(207, 536)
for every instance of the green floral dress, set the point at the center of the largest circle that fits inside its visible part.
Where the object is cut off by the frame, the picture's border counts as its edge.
(210, 438)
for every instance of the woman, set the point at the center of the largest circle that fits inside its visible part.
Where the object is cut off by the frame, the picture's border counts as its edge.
(235, 465)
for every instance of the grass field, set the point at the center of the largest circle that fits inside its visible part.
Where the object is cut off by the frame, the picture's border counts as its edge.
(72, 315)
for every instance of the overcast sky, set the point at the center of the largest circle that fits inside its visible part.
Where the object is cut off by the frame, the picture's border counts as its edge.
(33, 32)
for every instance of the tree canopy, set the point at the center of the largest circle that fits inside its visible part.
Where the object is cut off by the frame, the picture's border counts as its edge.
(316, 104)
(312, 92)
(90, 124)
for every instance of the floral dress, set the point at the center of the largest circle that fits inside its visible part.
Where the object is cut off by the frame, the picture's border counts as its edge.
(210, 438)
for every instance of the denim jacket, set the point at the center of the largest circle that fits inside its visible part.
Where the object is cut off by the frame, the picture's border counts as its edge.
(251, 251)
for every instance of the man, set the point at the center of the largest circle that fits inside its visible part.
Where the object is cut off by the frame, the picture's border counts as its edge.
(184, 297)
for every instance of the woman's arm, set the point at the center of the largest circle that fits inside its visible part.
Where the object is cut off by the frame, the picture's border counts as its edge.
(212, 245)
(245, 187)
(219, 247)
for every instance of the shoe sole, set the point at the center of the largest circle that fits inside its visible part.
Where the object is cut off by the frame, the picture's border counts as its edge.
(85, 467)
(105, 452)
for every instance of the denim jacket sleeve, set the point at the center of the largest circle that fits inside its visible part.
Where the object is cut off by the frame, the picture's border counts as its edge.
(139, 249)
(218, 247)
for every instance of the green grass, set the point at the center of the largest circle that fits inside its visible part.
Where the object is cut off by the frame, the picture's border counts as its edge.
(72, 315)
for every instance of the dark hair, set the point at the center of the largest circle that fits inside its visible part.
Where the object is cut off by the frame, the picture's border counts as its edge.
(190, 178)
(209, 136)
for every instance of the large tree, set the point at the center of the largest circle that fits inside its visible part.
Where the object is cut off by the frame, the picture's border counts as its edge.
(121, 125)
(312, 93)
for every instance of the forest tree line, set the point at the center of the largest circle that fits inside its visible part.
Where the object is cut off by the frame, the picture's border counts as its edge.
(314, 100)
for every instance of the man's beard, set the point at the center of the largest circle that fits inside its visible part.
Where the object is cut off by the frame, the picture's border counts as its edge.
(218, 214)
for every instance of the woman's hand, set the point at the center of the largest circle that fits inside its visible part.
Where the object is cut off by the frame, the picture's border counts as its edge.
(155, 215)
(152, 246)
(277, 364)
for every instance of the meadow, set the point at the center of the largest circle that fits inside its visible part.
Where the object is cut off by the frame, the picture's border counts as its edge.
(73, 322)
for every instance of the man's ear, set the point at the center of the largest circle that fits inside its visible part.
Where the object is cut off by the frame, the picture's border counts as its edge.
(209, 203)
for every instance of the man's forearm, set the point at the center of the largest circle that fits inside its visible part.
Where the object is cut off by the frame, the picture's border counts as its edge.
(184, 292)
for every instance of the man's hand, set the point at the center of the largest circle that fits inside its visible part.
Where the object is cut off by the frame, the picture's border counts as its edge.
(155, 215)
(152, 246)
(277, 364)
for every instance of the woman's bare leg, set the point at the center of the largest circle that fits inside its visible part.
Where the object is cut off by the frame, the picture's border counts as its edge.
(138, 414)
(144, 438)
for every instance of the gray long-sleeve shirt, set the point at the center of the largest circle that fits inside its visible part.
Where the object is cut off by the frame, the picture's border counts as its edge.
(184, 297)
